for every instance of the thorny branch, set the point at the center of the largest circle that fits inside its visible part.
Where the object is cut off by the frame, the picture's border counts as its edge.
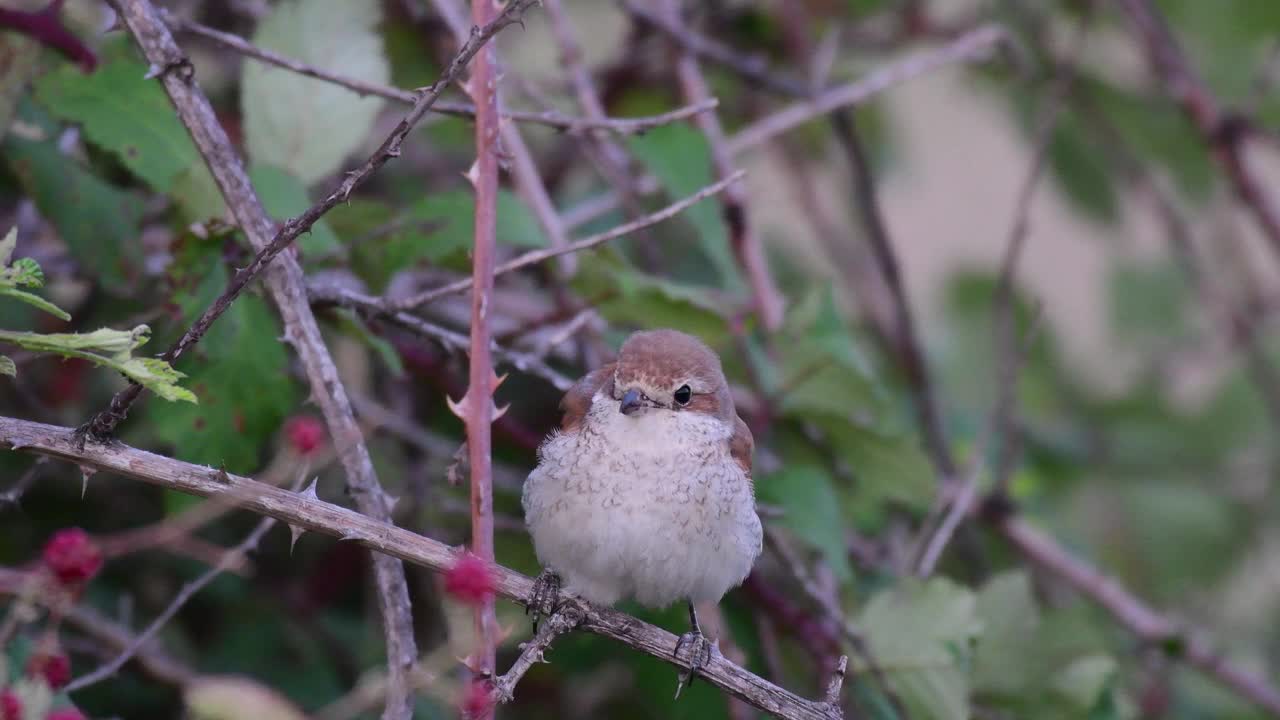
(312, 514)
(476, 407)
(561, 621)
(307, 513)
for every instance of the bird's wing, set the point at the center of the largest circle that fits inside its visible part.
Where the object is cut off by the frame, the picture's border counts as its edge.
(741, 445)
(577, 401)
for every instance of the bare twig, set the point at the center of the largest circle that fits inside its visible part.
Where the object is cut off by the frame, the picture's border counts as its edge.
(375, 307)
(743, 238)
(174, 70)
(905, 336)
(229, 559)
(973, 45)
(560, 121)
(1225, 132)
(307, 513)
(534, 257)
(561, 621)
(1004, 425)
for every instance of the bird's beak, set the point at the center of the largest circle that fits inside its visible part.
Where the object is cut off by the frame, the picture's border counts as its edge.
(632, 401)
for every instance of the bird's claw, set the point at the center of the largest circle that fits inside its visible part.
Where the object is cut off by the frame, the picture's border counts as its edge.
(545, 596)
(699, 653)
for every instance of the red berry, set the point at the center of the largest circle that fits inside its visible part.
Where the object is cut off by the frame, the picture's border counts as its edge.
(477, 701)
(10, 705)
(72, 556)
(305, 434)
(55, 669)
(470, 580)
(65, 714)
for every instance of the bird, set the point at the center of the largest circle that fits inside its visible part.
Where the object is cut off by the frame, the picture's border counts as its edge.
(645, 489)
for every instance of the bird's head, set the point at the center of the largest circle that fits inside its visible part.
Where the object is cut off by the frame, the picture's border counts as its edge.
(670, 370)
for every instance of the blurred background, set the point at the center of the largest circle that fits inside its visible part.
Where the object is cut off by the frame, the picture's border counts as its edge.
(1023, 265)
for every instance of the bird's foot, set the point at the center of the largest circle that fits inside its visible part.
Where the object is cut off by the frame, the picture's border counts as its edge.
(545, 597)
(698, 650)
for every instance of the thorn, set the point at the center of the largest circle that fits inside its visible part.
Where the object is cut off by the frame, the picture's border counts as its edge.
(473, 174)
(86, 472)
(295, 532)
(391, 501)
(498, 412)
(458, 408)
(496, 381)
(153, 71)
(309, 492)
(350, 535)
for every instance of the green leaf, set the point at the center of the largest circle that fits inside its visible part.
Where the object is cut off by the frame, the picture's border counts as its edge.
(241, 372)
(7, 366)
(821, 366)
(36, 301)
(886, 467)
(98, 221)
(303, 125)
(1148, 304)
(1006, 661)
(451, 217)
(811, 511)
(681, 159)
(112, 349)
(1030, 666)
(121, 110)
(284, 196)
(921, 635)
(629, 297)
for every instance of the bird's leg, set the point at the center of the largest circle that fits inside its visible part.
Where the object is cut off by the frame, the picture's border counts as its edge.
(700, 649)
(545, 596)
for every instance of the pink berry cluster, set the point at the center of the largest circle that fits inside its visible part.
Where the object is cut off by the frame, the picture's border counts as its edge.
(305, 434)
(470, 580)
(70, 559)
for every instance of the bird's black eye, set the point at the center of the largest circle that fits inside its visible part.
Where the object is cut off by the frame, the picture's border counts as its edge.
(683, 395)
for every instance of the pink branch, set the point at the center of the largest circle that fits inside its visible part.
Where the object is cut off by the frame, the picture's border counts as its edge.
(479, 398)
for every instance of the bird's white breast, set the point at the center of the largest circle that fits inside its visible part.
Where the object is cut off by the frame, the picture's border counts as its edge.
(651, 506)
